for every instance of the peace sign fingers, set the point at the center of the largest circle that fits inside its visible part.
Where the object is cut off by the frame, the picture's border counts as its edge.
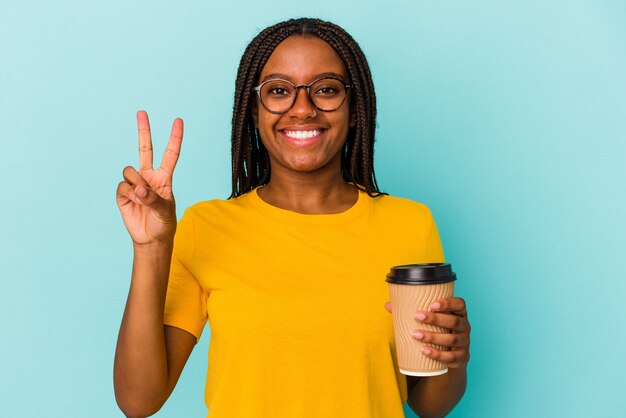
(170, 157)
(145, 141)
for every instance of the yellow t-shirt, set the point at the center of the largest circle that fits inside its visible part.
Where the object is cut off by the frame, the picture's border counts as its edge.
(295, 304)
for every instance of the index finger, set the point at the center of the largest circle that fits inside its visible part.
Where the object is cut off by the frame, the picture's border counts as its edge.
(145, 141)
(455, 305)
(170, 157)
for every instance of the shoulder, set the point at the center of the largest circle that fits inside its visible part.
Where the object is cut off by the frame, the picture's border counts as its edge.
(401, 207)
(215, 207)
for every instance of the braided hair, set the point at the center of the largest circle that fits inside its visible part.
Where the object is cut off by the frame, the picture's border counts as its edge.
(250, 159)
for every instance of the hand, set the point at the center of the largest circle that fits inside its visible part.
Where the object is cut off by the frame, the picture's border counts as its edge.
(145, 198)
(449, 313)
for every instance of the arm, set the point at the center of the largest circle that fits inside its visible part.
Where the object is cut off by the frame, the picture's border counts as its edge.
(149, 356)
(436, 396)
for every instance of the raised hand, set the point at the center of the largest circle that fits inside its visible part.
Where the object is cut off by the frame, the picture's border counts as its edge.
(145, 197)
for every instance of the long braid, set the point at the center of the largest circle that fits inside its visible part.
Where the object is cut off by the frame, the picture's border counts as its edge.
(365, 104)
(250, 160)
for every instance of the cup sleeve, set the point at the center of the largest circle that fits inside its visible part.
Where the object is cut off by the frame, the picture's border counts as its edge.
(185, 301)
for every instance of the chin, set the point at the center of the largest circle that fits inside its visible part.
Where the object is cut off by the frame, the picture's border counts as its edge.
(305, 165)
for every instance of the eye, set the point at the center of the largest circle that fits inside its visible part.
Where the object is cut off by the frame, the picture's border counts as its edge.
(279, 91)
(328, 87)
(326, 91)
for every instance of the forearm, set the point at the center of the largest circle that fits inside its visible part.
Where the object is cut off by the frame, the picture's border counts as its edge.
(140, 371)
(436, 396)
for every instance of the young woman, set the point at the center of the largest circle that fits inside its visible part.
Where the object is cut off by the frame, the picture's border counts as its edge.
(290, 270)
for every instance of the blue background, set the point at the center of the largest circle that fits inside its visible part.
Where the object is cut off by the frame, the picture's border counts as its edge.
(507, 118)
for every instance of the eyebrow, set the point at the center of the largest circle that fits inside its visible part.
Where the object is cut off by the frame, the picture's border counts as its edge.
(286, 77)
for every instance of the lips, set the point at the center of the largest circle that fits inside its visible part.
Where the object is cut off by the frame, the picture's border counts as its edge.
(303, 137)
(302, 134)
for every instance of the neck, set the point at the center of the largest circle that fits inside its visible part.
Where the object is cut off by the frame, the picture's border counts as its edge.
(308, 193)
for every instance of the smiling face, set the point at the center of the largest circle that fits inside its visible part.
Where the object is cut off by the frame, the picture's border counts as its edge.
(303, 139)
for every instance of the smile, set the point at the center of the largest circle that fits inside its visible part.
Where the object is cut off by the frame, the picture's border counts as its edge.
(302, 134)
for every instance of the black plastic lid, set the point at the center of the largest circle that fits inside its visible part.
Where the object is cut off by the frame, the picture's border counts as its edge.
(432, 273)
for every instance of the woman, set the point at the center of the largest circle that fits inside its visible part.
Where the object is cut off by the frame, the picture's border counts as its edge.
(290, 270)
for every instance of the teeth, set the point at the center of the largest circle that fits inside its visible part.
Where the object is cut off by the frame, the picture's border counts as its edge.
(302, 134)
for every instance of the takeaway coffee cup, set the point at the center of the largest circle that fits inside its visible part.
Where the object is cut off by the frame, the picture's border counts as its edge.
(413, 288)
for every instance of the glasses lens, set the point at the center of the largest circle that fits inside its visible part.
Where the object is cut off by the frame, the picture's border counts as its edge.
(278, 95)
(328, 94)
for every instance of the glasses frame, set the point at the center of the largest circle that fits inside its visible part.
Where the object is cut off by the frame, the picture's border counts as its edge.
(297, 87)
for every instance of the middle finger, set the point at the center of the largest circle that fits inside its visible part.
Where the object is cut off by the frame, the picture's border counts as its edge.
(170, 157)
(443, 339)
(451, 322)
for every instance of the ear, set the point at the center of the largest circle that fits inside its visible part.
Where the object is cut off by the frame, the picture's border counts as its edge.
(352, 118)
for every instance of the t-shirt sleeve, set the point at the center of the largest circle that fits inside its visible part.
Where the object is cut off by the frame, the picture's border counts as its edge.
(185, 301)
(433, 250)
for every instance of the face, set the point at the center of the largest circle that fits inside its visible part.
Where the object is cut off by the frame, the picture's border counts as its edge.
(304, 139)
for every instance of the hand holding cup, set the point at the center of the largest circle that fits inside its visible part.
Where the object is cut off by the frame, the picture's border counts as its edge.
(451, 314)
(440, 339)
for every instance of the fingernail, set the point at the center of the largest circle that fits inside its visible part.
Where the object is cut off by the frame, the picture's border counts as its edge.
(435, 305)
(425, 350)
(420, 316)
(141, 192)
(418, 335)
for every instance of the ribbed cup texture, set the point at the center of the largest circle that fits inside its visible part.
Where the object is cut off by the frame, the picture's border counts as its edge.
(406, 300)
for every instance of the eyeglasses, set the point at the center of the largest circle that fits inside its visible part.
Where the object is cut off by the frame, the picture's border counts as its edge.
(278, 96)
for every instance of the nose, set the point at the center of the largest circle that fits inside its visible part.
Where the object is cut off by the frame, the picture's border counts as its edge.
(303, 108)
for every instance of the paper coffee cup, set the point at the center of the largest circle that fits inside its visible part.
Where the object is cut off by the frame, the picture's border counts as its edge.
(413, 288)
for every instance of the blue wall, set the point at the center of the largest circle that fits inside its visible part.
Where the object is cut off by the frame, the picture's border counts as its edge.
(507, 118)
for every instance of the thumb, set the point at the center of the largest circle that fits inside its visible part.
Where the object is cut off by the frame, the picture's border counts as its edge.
(388, 306)
(148, 197)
